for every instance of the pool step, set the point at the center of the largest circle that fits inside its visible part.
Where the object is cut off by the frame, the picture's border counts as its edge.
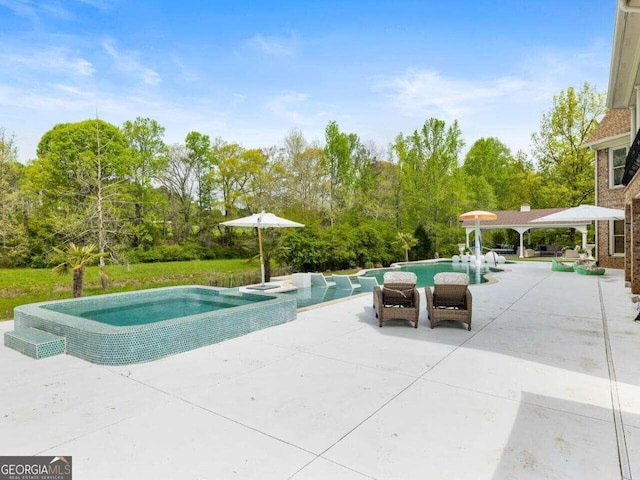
(35, 343)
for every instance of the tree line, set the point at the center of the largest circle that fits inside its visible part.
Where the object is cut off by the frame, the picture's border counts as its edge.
(140, 200)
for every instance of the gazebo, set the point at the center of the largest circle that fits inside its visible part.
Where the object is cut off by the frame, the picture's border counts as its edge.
(520, 221)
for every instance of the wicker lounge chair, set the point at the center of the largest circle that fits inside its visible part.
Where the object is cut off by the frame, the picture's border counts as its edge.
(397, 298)
(450, 299)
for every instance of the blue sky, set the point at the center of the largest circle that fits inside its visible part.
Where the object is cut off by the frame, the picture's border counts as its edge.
(250, 71)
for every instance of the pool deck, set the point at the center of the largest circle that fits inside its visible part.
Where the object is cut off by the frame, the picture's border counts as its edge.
(546, 385)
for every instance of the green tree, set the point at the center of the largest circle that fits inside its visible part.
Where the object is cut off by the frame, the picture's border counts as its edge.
(149, 158)
(370, 197)
(75, 259)
(306, 186)
(234, 172)
(489, 167)
(428, 161)
(13, 234)
(201, 162)
(565, 165)
(179, 184)
(407, 241)
(77, 182)
(343, 156)
(266, 188)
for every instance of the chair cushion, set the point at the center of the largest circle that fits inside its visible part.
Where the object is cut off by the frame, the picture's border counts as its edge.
(398, 294)
(400, 277)
(450, 296)
(451, 278)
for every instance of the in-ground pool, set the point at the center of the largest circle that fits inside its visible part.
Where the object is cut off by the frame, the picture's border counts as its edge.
(123, 328)
(425, 272)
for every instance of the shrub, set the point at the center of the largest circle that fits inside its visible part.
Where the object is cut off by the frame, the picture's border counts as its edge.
(164, 253)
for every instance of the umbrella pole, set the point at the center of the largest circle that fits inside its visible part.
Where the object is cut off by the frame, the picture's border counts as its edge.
(261, 256)
(478, 249)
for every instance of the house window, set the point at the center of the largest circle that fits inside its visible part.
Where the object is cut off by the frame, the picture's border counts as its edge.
(616, 228)
(618, 157)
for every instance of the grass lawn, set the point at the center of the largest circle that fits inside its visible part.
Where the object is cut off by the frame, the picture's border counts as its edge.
(27, 285)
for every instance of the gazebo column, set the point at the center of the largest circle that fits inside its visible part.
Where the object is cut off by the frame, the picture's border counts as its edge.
(583, 231)
(521, 231)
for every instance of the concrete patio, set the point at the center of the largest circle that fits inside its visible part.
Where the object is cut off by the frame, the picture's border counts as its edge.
(545, 385)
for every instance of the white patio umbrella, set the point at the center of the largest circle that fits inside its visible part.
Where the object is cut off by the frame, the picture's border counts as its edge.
(478, 215)
(583, 213)
(260, 221)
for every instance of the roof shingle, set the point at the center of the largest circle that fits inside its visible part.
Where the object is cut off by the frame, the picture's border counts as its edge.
(616, 122)
(512, 218)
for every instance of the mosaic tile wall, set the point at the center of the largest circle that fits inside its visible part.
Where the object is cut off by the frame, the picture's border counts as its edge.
(35, 343)
(108, 345)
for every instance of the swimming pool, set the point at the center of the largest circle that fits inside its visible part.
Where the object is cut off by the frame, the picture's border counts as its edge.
(138, 310)
(132, 327)
(425, 272)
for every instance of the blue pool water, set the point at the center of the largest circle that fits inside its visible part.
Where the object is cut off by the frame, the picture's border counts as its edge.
(426, 271)
(156, 311)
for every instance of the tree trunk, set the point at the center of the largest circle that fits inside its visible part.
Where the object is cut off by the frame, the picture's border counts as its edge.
(78, 279)
(104, 279)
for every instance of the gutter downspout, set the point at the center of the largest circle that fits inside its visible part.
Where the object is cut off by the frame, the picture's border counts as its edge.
(622, 5)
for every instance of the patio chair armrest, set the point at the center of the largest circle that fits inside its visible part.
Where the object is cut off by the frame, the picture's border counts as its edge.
(416, 299)
(377, 298)
(469, 299)
(429, 294)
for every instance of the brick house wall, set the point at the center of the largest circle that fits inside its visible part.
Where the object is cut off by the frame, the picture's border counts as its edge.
(612, 133)
(632, 234)
(610, 198)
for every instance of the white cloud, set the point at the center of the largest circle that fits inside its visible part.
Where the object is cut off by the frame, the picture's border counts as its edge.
(419, 93)
(41, 100)
(289, 106)
(48, 61)
(183, 72)
(127, 62)
(35, 9)
(275, 46)
(509, 107)
(22, 8)
(238, 98)
(102, 5)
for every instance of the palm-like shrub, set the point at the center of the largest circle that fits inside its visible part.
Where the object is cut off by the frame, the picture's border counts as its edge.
(76, 258)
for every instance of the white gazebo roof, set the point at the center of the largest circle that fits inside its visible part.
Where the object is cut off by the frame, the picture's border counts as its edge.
(520, 221)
